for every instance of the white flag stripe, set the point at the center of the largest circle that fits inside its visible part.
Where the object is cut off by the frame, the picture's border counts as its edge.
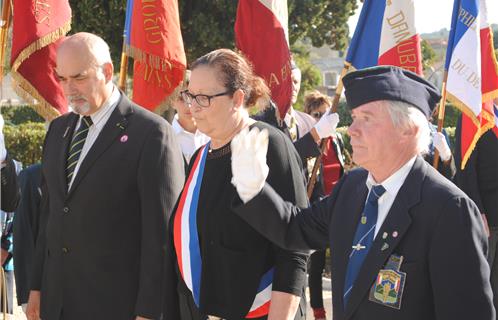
(398, 24)
(279, 9)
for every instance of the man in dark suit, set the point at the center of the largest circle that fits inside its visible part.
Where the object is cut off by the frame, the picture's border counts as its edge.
(112, 172)
(25, 230)
(479, 180)
(415, 247)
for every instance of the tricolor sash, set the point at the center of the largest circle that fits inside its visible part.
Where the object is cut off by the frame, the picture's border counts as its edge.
(186, 241)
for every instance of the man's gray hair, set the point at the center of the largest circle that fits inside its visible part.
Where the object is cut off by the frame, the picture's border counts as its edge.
(406, 116)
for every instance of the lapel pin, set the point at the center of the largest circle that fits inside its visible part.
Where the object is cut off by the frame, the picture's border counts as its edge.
(124, 138)
(384, 246)
(384, 235)
(395, 234)
(65, 132)
(120, 125)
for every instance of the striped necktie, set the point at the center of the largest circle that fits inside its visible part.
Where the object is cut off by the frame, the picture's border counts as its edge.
(76, 146)
(363, 239)
(293, 128)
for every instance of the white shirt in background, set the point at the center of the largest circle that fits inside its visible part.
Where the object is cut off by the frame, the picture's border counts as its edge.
(189, 142)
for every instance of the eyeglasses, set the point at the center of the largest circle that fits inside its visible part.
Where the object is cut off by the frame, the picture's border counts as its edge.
(202, 100)
(317, 114)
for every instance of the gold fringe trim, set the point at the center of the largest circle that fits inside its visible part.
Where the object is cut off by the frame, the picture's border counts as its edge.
(463, 107)
(492, 49)
(477, 136)
(488, 96)
(25, 89)
(154, 61)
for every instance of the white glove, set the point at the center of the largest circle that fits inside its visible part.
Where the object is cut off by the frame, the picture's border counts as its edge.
(3, 151)
(441, 145)
(249, 168)
(325, 127)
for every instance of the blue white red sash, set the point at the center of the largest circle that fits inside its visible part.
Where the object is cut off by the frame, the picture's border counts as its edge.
(185, 234)
(186, 241)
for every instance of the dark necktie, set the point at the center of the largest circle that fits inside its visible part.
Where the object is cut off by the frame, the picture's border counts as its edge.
(76, 146)
(363, 239)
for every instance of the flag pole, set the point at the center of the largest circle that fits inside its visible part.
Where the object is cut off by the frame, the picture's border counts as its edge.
(123, 67)
(440, 117)
(6, 9)
(323, 142)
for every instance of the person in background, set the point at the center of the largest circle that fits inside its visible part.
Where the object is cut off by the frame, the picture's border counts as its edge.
(9, 201)
(441, 142)
(111, 175)
(185, 128)
(317, 104)
(406, 243)
(304, 131)
(479, 180)
(224, 268)
(25, 230)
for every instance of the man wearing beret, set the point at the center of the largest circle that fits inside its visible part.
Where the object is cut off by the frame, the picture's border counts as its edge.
(406, 243)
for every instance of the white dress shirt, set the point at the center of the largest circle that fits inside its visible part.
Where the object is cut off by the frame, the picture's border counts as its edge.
(99, 119)
(189, 142)
(392, 186)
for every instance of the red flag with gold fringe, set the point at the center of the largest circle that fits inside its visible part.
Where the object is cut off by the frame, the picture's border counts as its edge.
(37, 28)
(261, 34)
(153, 39)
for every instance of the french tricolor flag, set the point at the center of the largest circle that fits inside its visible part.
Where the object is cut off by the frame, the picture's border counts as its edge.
(472, 69)
(386, 35)
(261, 33)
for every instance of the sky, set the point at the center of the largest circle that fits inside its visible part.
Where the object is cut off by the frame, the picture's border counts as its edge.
(433, 15)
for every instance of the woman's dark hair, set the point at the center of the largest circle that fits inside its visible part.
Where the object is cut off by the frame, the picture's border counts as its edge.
(314, 99)
(235, 73)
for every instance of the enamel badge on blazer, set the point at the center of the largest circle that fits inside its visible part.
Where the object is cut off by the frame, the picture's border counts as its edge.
(388, 287)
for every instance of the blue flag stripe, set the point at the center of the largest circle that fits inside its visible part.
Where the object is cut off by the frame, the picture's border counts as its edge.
(129, 15)
(363, 50)
(464, 11)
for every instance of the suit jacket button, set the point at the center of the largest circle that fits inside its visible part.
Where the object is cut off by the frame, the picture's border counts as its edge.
(65, 209)
(65, 250)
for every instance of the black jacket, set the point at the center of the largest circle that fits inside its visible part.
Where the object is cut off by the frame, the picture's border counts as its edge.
(432, 224)
(101, 247)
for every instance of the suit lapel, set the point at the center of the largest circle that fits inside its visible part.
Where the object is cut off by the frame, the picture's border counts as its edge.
(115, 125)
(67, 136)
(398, 220)
(343, 232)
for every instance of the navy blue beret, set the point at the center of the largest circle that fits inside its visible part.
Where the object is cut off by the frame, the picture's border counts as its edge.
(390, 83)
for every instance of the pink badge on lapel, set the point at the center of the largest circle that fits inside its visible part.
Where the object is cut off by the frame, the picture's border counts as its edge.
(124, 138)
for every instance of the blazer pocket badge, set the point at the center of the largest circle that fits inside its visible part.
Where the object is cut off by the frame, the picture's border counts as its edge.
(389, 285)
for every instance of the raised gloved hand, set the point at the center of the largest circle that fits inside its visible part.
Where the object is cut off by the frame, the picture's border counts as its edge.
(439, 141)
(325, 127)
(3, 151)
(249, 168)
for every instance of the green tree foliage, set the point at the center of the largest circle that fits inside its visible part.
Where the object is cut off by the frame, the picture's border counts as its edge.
(428, 55)
(324, 22)
(24, 142)
(311, 77)
(208, 25)
(104, 18)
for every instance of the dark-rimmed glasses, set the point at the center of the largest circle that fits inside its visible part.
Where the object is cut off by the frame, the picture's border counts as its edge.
(202, 100)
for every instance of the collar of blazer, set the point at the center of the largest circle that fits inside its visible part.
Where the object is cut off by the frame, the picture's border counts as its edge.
(116, 124)
(398, 219)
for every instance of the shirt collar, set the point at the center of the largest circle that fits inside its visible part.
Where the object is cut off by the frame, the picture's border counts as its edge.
(289, 115)
(107, 107)
(394, 182)
(177, 127)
